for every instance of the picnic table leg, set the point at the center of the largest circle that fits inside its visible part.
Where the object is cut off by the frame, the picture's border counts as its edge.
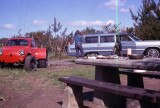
(135, 81)
(108, 74)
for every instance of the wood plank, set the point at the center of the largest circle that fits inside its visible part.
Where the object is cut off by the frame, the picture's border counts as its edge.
(144, 74)
(127, 91)
(144, 64)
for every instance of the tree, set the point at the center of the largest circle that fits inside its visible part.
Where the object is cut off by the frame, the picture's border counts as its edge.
(57, 40)
(90, 30)
(147, 20)
(112, 28)
(40, 37)
(3, 42)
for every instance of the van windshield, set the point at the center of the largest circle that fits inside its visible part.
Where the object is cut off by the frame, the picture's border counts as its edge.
(135, 38)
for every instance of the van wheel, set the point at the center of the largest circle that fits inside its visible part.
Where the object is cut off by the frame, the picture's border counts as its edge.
(92, 54)
(152, 53)
(30, 63)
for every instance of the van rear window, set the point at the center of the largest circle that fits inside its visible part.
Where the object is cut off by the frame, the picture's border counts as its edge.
(106, 39)
(93, 39)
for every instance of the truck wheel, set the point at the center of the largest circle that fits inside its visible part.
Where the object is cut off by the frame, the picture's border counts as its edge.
(152, 53)
(42, 63)
(30, 63)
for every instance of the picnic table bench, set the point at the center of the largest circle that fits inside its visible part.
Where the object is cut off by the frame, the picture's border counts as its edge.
(107, 88)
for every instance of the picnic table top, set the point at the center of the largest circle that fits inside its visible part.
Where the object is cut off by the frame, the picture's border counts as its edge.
(124, 62)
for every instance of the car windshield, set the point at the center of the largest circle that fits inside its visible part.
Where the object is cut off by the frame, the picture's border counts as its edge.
(17, 42)
(135, 38)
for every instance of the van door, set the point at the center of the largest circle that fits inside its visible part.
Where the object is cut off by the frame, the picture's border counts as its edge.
(127, 42)
(106, 45)
(91, 44)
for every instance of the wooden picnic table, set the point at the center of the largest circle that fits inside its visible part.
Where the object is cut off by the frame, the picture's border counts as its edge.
(107, 70)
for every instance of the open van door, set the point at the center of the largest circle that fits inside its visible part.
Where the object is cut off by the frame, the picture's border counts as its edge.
(127, 42)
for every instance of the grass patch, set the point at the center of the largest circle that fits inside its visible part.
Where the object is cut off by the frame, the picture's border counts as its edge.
(12, 73)
(63, 56)
(79, 71)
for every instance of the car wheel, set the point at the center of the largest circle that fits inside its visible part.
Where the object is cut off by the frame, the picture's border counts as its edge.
(30, 63)
(92, 54)
(152, 53)
(42, 63)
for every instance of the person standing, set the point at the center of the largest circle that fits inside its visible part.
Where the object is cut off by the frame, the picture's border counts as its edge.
(118, 47)
(79, 38)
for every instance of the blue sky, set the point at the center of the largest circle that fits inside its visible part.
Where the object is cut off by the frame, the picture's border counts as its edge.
(37, 15)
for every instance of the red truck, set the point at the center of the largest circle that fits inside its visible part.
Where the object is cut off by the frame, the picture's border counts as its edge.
(23, 51)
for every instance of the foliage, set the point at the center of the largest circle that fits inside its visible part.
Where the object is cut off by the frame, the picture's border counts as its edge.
(40, 37)
(3, 42)
(147, 20)
(90, 30)
(58, 41)
(112, 28)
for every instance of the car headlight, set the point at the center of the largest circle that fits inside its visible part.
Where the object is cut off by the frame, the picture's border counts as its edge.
(1, 52)
(21, 52)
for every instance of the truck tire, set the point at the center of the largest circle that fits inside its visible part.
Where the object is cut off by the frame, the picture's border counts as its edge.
(42, 63)
(30, 63)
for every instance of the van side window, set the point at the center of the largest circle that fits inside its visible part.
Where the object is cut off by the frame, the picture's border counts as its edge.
(93, 39)
(125, 38)
(106, 39)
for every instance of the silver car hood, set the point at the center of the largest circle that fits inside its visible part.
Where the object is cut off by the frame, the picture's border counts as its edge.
(148, 43)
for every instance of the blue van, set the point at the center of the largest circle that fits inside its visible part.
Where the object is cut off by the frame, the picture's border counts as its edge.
(103, 44)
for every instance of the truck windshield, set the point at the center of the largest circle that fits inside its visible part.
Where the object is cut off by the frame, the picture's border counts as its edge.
(17, 42)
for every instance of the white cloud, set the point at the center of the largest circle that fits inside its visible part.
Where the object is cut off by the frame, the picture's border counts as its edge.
(132, 8)
(91, 23)
(8, 26)
(124, 10)
(111, 4)
(110, 22)
(39, 22)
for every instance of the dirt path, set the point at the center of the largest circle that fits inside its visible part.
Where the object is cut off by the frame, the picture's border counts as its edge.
(38, 94)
